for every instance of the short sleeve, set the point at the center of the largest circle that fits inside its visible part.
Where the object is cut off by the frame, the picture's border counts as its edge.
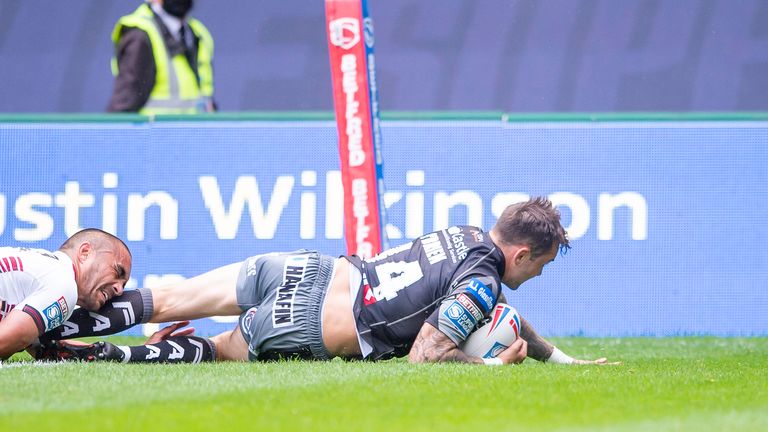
(460, 312)
(54, 297)
(47, 309)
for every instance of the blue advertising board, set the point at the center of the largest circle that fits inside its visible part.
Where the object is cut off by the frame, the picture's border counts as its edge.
(666, 217)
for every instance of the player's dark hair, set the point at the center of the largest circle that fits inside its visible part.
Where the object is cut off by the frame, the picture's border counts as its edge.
(535, 223)
(93, 235)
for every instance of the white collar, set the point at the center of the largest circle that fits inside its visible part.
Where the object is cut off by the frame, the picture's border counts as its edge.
(173, 23)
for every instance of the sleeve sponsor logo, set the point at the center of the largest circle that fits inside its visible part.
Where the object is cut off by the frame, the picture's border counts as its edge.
(470, 306)
(460, 318)
(53, 316)
(63, 305)
(482, 293)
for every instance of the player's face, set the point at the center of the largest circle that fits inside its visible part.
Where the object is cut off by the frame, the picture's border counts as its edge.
(105, 273)
(529, 268)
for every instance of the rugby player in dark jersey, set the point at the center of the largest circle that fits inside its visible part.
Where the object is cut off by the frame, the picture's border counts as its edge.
(421, 300)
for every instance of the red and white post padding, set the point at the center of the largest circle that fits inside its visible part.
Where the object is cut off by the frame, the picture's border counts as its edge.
(350, 43)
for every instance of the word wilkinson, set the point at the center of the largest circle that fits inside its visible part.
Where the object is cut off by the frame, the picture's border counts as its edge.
(30, 217)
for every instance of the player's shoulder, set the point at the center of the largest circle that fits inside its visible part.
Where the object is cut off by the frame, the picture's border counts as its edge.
(48, 267)
(26, 259)
(469, 235)
(41, 257)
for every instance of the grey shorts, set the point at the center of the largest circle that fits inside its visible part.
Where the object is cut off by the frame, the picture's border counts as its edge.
(282, 295)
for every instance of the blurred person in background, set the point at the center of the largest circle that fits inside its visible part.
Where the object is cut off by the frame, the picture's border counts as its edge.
(163, 61)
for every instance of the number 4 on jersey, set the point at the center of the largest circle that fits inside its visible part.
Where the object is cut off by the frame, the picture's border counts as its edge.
(394, 276)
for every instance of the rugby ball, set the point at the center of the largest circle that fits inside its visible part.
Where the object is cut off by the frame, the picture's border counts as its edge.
(496, 335)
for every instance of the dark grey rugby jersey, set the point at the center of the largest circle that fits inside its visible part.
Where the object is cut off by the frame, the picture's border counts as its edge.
(449, 278)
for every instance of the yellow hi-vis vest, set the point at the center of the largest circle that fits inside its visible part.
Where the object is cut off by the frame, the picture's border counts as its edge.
(177, 90)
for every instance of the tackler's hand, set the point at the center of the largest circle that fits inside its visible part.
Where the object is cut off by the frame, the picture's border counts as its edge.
(170, 331)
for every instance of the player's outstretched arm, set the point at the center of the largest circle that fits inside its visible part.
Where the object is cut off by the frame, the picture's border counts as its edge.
(432, 345)
(17, 331)
(542, 350)
(538, 348)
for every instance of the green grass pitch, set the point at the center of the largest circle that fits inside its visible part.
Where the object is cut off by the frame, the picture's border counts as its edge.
(686, 384)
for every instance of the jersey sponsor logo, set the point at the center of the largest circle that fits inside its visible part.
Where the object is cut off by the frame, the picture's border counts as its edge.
(482, 293)
(433, 248)
(477, 235)
(460, 318)
(457, 238)
(293, 274)
(344, 32)
(11, 263)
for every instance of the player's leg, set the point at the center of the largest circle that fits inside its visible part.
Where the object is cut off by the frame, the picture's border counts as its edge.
(227, 346)
(171, 348)
(121, 313)
(174, 349)
(210, 294)
(231, 346)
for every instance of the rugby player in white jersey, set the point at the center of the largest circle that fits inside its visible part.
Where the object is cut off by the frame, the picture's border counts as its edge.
(39, 290)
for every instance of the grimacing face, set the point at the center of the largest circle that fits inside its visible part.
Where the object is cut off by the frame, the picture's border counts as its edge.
(105, 271)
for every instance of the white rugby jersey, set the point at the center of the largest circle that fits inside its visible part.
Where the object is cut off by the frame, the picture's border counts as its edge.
(38, 282)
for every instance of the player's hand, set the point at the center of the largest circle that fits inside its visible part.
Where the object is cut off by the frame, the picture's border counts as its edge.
(601, 361)
(515, 353)
(170, 331)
